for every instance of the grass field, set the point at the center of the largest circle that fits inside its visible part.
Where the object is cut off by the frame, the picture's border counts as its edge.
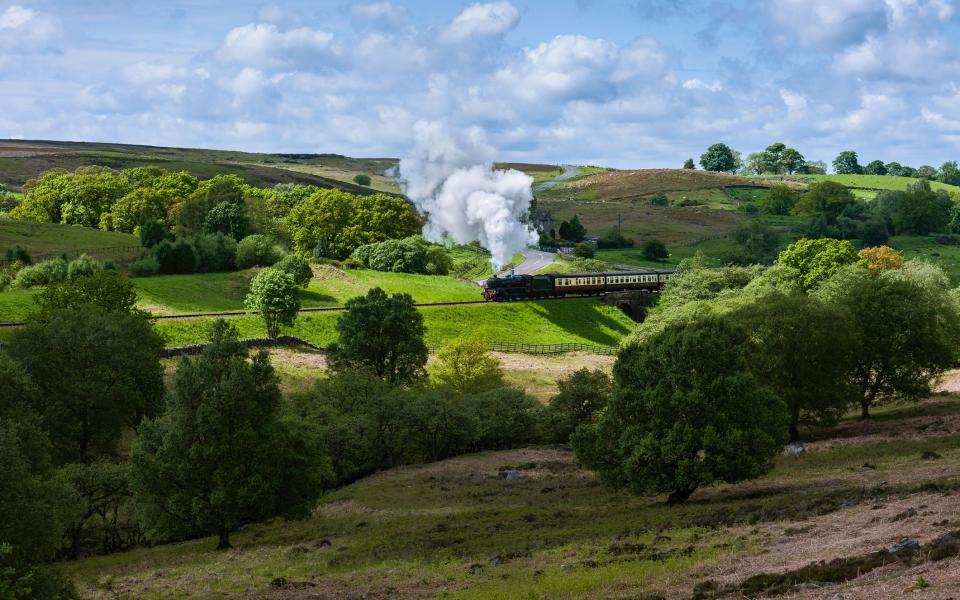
(873, 182)
(927, 248)
(457, 529)
(576, 321)
(50, 238)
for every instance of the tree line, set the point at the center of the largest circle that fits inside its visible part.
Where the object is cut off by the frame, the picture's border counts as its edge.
(779, 159)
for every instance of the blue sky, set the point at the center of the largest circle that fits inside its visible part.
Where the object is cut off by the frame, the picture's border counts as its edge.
(618, 83)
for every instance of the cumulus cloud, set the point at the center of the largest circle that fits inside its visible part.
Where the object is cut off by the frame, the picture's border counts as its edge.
(481, 20)
(265, 46)
(24, 30)
(381, 15)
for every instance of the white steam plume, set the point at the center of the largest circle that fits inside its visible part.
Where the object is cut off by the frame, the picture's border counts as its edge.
(450, 177)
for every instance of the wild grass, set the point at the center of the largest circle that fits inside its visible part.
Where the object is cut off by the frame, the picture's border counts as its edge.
(457, 529)
(927, 248)
(877, 182)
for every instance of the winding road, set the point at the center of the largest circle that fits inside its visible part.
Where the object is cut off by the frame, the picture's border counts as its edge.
(569, 172)
(533, 261)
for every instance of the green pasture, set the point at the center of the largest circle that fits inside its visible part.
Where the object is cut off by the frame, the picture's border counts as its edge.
(51, 238)
(876, 182)
(573, 321)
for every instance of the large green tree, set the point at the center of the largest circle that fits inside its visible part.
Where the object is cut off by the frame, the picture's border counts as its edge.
(847, 163)
(719, 157)
(813, 261)
(110, 290)
(580, 396)
(905, 327)
(921, 210)
(803, 350)
(686, 412)
(98, 373)
(828, 198)
(219, 455)
(382, 334)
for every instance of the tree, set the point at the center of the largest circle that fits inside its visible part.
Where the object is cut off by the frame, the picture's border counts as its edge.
(803, 352)
(581, 396)
(361, 179)
(655, 250)
(846, 163)
(813, 167)
(921, 210)
(791, 161)
(779, 200)
(273, 295)
(140, 206)
(875, 167)
(758, 243)
(257, 251)
(688, 164)
(762, 163)
(31, 501)
(152, 233)
(583, 250)
(176, 257)
(226, 218)
(297, 267)
(925, 172)
(949, 173)
(98, 373)
(575, 230)
(828, 198)
(816, 260)
(220, 456)
(333, 223)
(383, 334)
(905, 333)
(719, 157)
(881, 258)
(464, 366)
(686, 412)
(108, 290)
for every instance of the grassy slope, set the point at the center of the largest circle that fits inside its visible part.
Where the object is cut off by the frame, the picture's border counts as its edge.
(578, 321)
(878, 182)
(432, 530)
(49, 238)
(21, 160)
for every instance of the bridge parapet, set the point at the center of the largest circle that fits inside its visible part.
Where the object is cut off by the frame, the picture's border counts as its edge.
(633, 303)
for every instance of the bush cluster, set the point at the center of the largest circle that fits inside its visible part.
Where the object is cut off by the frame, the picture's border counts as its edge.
(54, 270)
(408, 255)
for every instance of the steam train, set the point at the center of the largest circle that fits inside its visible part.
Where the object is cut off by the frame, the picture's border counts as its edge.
(558, 285)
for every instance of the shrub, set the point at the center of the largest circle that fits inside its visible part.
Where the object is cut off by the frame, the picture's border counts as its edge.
(83, 266)
(655, 250)
(19, 253)
(508, 418)
(297, 267)
(581, 396)
(176, 257)
(145, 267)
(215, 252)
(257, 251)
(42, 273)
(409, 255)
(587, 265)
(464, 366)
(363, 180)
(659, 199)
(152, 233)
(583, 250)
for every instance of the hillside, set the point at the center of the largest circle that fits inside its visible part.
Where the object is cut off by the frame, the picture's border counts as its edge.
(21, 160)
(462, 529)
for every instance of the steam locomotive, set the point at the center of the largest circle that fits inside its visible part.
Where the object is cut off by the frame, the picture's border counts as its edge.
(558, 285)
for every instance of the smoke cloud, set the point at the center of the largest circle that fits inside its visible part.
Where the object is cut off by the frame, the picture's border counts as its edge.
(449, 175)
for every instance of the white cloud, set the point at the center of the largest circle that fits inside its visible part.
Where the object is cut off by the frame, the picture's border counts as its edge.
(23, 30)
(481, 20)
(264, 46)
(825, 22)
(382, 15)
(697, 84)
(796, 103)
(144, 73)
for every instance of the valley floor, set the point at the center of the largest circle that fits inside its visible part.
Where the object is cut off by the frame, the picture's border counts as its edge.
(529, 523)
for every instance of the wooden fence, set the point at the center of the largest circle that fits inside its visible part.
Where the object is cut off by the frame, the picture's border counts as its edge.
(518, 348)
